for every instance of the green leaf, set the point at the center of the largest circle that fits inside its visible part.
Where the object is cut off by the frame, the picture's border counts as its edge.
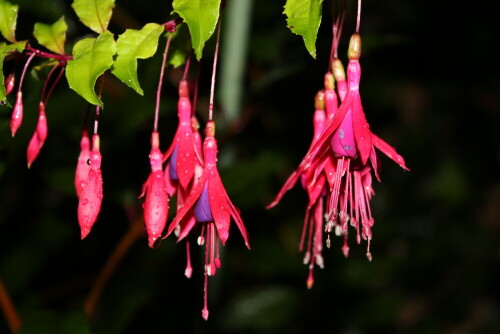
(8, 19)
(179, 46)
(201, 17)
(304, 18)
(132, 45)
(95, 14)
(91, 58)
(52, 36)
(5, 50)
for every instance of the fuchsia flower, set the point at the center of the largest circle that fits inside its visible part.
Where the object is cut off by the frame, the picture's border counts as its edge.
(17, 114)
(155, 188)
(183, 154)
(39, 136)
(9, 83)
(211, 206)
(83, 166)
(89, 203)
(348, 140)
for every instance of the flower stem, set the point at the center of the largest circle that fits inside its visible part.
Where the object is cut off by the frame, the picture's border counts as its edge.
(24, 71)
(214, 71)
(44, 89)
(358, 19)
(48, 55)
(160, 82)
(98, 108)
(196, 84)
(54, 84)
(134, 232)
(186, 66)
(8, 309)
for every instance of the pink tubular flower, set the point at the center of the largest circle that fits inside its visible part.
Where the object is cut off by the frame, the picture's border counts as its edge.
(89, 203)
(155, 189)
(83, 166)
(182, 154)
(39, 136)
(17, 114)
(211, 206)
(9, 83)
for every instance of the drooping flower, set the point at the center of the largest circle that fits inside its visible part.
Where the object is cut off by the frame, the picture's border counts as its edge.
(17, 114)
(39, 136)
(89, 202)
(182, 154)
(9, 83)
(212, 209)
(155, 189)
(83, 165)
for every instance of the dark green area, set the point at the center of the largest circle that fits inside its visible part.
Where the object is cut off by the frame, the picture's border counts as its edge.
(430, 87)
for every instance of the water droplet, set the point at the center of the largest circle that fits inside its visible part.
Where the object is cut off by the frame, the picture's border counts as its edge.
(85, 201)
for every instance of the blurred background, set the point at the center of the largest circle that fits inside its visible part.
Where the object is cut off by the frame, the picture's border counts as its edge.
(430, 87)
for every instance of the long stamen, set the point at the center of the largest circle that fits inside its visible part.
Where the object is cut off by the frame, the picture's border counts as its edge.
(204, 312)
(189, 269)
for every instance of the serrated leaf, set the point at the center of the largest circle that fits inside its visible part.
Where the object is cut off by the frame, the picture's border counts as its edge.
(179, 46)
(8, 20)
(132, 45)
(5, 50)
(91, 58)
(304, 18)
(95, 14)
(52, 36)
(201, 16)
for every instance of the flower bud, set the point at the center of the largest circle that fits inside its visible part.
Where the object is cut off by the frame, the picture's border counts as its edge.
(354, 52)
(319, 100)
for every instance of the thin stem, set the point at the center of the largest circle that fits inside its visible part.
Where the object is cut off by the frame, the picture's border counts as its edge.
(160, 82)
(98, 108)
(358, 19)
(196, 85)
(54, 84)
(214, 71)
(186, 66)
(44, 89)
(24, 71)
(48, 55)
(121, 249)
(338, 17)
(9, 309)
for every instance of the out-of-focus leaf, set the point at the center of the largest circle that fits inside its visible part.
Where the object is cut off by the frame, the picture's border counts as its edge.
(5, 50)
(201, 17)
(91, 58)
(132, 45)
(52, 36)
(8, 20)
(304, 18)
(95, 14)
(179, 46)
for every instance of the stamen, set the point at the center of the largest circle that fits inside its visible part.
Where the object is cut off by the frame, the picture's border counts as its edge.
(189, 269)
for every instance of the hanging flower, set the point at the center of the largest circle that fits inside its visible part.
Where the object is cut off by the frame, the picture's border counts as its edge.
(155, 189)
(83, 166)
(17, 114)
(209, 203)
(39, 136)
(89, 203)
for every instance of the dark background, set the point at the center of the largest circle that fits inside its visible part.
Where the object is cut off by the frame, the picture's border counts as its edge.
(430, 87)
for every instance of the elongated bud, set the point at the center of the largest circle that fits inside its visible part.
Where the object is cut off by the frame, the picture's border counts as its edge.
(354, 52)
(210, 129)
(9, 83)
(39, 136)
(338, 70)
(319, 100)
(17, 114)
(329, 81)
(83, 166)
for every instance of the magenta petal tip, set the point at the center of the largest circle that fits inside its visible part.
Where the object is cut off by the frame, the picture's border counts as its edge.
(204, 314)
(84, 232)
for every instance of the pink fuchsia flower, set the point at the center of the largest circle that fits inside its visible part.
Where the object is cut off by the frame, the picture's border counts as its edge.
(331, 99)
(182, 154)
(83, 166)
(89, 203)
(155, 189)
(212, 208)
(339, 76)
(9, 83)
(39, 136)
(17, 114)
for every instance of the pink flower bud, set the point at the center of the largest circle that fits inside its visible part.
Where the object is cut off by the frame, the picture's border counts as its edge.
(83, 166)
(39, 136)
(9, 83)
(17, 114)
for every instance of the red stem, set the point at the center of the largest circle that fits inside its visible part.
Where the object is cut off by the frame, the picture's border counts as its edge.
(214, 71)
(196, 84)
(186, 67)
(160, 82)
(358, 19)
(54, 84)
(49, 55)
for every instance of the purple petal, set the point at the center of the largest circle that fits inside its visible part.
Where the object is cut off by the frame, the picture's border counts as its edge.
(202, 211)
(172, 171)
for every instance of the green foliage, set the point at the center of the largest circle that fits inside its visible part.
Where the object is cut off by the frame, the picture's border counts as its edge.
(304, 19)
(5, 50)
(92, 57)
(179, 46)
(95, 14)
(132, 45)
(201, 17)
(8, 19)
(52, 36)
